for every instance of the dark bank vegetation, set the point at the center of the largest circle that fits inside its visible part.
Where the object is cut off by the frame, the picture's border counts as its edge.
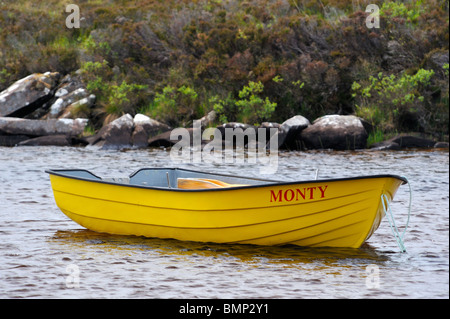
(250, 61)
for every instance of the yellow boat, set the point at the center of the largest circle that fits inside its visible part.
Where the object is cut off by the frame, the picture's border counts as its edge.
(195, 206)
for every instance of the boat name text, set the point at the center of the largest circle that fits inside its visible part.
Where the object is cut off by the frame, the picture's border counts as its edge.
(297, 194)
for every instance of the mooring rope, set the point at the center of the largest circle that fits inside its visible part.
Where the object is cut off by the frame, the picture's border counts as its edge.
(390, 217)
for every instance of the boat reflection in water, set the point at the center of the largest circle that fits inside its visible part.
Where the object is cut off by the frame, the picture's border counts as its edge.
(291, 256)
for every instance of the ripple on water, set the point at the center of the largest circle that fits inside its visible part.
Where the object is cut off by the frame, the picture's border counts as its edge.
(41, 248)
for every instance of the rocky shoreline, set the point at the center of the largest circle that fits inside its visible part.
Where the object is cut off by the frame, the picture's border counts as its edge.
(41, 109)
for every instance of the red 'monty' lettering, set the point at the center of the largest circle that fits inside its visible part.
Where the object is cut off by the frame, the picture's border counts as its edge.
(275, 197)
(298, 193)
(289, 197)
(301, 194)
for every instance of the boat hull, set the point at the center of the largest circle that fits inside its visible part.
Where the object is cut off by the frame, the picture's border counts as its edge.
(331, 213)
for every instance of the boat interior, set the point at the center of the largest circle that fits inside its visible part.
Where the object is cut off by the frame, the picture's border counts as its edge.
(170, 178)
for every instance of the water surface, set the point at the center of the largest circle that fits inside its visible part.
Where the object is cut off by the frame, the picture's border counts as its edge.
(45, 255)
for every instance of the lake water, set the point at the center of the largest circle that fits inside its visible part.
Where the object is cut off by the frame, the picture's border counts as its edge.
(43, 254)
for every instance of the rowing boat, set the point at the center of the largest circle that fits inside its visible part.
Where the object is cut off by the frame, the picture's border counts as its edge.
(196, 206)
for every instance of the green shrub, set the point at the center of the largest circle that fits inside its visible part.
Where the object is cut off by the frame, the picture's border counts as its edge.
(217, 48)
(4, 77)
(112, 99)
(250, 108)
(123, 98)
(393, 101)
(225, 109)
(411, 12)
(375, 136)
(176, 107)
(253, 107)
(95, 76)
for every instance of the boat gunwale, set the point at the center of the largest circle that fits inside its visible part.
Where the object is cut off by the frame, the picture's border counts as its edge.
(60, 173)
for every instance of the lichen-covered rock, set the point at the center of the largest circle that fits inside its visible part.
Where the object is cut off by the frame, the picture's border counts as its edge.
(290, 132)
(19, 126)
(151, 126)
(28, 94)
(115, 135)
(61, 104)
(338, 132)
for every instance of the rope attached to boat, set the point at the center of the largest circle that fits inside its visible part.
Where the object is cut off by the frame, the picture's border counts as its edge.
(390, 217)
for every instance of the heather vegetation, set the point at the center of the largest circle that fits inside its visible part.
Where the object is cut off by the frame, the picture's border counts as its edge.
(250, 61)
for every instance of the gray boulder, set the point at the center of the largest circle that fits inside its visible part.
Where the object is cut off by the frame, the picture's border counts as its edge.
(127, 132)
(441, 145)
(68, 84)
(19, 126)
(338, 132)
(234, 125)
(12, 140)
(28, 94)
(208, 119)
(115, 135)
(145, 128)
(172, 137)
(234, 133)
(59, 107)
(54, 140)
(267, 126)
(70, 95)
(289, 136)
(161, 140)
(151, 127)
(403, 141)
(139, 137)
(84, 103)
